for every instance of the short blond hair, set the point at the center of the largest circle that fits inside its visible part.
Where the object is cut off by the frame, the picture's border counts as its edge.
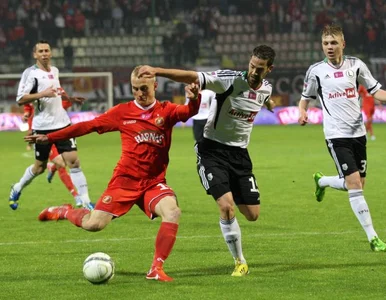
(135, 72)
(333, 30)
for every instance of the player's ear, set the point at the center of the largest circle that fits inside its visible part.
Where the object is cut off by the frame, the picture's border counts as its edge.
(155, 85)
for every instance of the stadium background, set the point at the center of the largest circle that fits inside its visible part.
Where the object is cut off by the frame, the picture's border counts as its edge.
(116, 35)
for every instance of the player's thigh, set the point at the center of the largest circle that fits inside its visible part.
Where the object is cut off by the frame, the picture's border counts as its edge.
(342, 153)
(214, 179)
(360, 154)
(246, 191)
(160, 200)
(116, 201)
(42, 152)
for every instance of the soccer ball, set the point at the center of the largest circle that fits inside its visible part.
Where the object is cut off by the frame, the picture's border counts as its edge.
(98, 268)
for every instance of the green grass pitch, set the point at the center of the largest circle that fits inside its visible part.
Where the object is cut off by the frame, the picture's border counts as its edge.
(298, 249)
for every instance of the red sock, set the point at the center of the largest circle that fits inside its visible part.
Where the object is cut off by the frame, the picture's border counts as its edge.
(66, 179)
(164, 242)
(75, 216)
(53, 168)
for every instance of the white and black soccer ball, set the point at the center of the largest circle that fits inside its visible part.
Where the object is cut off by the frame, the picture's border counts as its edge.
(98, 268)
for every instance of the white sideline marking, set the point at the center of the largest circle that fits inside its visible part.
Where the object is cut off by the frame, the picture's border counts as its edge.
(300, 234)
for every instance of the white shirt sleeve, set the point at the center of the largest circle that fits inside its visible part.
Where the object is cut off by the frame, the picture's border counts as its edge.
(367, 80)
(26, 85)
(310, 86)
(217, 81)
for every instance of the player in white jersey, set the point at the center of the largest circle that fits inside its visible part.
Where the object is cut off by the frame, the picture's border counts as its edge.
(223, 161)
(200, 119)
(40, 85)
(335, 82)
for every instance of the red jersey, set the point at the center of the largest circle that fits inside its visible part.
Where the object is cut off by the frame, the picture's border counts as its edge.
(145, 135)
(367, 98)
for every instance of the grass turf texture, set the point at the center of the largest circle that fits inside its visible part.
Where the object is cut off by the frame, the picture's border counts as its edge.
(298, 249)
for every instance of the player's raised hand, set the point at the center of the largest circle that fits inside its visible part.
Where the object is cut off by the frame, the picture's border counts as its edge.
(191, 91)
(49, 92)
(146, 72)
(303, 117)
(36, 139)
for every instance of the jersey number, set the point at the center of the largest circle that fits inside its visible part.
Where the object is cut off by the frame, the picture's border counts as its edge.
(254, 187)
(163, 187)
(364, 166)
(73, 143)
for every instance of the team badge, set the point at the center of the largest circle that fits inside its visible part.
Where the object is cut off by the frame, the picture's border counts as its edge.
(210, 176)
(350, 73)
(107, 199)
(159, 121)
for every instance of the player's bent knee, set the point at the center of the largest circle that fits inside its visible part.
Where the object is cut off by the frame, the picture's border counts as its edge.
(93, 226)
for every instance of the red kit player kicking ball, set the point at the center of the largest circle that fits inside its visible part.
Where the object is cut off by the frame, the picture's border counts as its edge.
(139, 177)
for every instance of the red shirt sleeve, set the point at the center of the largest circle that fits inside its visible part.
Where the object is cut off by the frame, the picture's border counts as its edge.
(28, 108)
(66, 104)
(184, 112)
(107, 122)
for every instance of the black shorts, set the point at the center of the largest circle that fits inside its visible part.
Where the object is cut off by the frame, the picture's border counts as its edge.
(224, 169)
(198, 129)
(349, 155)
(42, 152)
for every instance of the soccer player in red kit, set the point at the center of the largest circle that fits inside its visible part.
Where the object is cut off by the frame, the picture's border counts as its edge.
(139, 177)
(58, 163)
(368, 106)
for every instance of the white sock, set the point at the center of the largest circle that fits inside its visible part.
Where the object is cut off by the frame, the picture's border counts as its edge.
(80, 182)
(232, 234)
(334, 182)
(25, 180)
(362, 212)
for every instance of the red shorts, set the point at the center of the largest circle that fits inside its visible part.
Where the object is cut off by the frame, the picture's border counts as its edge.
(54, 152)
(118, 201)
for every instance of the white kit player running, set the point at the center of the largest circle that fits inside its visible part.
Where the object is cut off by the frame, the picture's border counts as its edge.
(200, 119)
(224, 165)
(335, 82)
(40, 85)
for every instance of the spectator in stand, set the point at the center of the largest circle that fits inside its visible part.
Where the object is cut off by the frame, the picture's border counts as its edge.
(68, 52)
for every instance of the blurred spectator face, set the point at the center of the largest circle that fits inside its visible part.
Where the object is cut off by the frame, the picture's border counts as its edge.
(42, 53)
(143, 90)
(258, 69)
(333, 46)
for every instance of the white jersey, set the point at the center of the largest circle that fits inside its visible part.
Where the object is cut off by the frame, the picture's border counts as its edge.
(49, 113)
(234, 108)
(206, 99)
(337, 90)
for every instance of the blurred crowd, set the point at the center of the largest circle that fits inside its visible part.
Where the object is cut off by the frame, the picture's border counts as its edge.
(25, 21)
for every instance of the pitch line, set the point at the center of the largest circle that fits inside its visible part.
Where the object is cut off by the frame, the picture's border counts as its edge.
(294, 234)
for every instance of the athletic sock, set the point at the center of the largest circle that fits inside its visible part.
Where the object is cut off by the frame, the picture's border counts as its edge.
(362, 212)
(232, 234)
(164, 243)
(334, 182)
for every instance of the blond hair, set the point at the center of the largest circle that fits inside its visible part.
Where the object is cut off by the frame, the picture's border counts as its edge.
(135, 73)
(333, 30)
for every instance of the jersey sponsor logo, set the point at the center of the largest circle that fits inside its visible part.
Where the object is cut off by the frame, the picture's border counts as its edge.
(348, 93)
(252, 95)
(149, 136)
(338, 74)
(129, 122)
(241, 115)
(159, 121)
(146, 116)
(50, 76)
(107, 199)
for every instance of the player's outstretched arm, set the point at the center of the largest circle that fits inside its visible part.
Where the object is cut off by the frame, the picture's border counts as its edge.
(28, 98)
(173, 74)
(303, 117)
(36, 139)
(380, 95)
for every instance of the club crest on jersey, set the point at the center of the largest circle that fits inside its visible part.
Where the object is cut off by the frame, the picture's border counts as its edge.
(159, 121)
(350, 73)
(241, 115)
(107, 199)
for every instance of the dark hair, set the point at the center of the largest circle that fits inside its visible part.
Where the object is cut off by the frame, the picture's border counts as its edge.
(265, 52)
(40, 42)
